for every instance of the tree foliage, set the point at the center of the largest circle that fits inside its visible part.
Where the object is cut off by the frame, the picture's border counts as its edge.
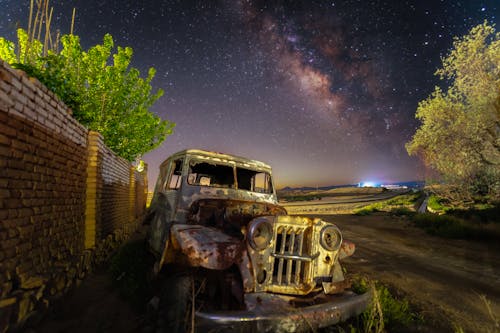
(460, 126)
(103, 92)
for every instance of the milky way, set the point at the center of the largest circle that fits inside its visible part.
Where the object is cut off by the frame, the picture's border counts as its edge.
(324, 91)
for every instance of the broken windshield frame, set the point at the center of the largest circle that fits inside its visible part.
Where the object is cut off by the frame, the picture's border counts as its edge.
(203, 173)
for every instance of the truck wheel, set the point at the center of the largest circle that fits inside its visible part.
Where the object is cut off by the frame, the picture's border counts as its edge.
(175, 309)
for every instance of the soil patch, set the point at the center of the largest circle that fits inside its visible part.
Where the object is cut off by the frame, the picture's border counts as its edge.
(443, 277)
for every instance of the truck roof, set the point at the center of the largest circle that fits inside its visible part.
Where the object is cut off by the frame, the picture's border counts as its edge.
(221, 157)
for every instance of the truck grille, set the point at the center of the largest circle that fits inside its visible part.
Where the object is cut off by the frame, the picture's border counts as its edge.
(292, 260)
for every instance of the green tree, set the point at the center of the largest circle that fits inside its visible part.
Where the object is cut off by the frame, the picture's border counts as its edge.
(103, 92)
(460, 127)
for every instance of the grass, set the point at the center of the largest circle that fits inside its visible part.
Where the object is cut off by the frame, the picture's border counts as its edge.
(386, 313)
(477, 221)
(129, 270)
(450, 226)
(400, 205)
(446, 221)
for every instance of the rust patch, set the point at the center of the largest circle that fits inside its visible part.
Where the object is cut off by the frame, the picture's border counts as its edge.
(229, 215)
(207, 247)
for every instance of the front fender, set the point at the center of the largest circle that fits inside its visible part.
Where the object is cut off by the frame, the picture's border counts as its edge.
(207, 247)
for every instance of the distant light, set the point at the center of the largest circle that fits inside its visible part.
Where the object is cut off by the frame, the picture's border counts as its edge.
(368, 184)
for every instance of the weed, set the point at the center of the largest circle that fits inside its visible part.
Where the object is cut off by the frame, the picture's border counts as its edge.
(492, 326)
(385, 311)
(494, 317)
(373, 317)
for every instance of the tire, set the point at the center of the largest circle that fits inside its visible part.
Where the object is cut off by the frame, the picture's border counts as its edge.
(175, 310)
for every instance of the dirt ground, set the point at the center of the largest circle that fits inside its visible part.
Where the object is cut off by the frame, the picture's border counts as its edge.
(443, 278)
(94, 307)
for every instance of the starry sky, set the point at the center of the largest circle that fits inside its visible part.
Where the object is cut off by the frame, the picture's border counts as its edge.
(323, 91)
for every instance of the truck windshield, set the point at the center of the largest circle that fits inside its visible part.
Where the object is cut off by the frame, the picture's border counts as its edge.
(218, 175)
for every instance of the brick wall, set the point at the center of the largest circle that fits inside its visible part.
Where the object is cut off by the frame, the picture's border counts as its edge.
(118, 190)
(66, 201)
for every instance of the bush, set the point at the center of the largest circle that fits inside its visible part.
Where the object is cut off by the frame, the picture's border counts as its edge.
(103, 91)
(480, 213)
(437, 204)
(449, 226)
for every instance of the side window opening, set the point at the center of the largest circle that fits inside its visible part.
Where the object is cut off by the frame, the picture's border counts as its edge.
(175, 177)
(254, 181)
(245, 178)
(261, 183)
(207, 174)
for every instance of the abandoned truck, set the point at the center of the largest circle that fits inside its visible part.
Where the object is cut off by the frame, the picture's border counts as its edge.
(232, 259)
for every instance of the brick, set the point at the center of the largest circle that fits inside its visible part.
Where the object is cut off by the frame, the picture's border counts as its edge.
(5, 151)
(6, 99)
(25, 212)
(4, 139)
(17, 97)
(4, 85)
(30, 83)
(28, 92)
(31, 105)
(7, 130)
(13, 233)
(29, 113)
(19, 145)
(7, 72)
(40, 103)
(9, 243)
(16, 111)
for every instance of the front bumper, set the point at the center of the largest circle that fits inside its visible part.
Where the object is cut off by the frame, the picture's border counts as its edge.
(275, 313)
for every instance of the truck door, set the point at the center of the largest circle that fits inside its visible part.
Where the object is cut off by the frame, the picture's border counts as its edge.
(166, 204)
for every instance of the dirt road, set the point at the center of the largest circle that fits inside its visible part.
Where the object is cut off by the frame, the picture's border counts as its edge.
(442, 277)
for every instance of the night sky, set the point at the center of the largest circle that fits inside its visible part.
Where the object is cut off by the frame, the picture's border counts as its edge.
(323, 91)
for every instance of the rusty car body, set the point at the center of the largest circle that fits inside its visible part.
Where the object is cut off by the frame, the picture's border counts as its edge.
(216, 216)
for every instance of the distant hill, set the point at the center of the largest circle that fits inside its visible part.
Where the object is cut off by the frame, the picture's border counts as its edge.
(321, 188)
(410, 184)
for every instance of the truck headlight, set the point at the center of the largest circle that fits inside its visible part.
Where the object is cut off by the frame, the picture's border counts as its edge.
(330, 238)
(260, 234)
